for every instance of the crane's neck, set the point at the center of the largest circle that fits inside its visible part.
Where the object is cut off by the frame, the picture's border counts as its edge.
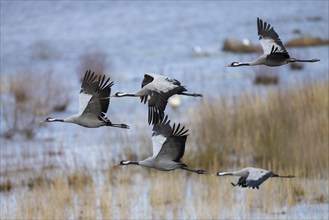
(252, 63)
(225, 174)
(128, 162)
(236, 64)
(54, 119)
(67, 120)
(244, 64)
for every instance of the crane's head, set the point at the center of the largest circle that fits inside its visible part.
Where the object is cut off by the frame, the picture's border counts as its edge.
(121, 94)
(118, 94)
(234, 64)
(49, 119)
(124, 162)
(128, 162)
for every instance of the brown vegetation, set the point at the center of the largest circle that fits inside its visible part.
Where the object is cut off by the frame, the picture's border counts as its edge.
(306, 41)
(6, 186)
(235, 46)
(29, 95)
(266, 80)
(287, 128)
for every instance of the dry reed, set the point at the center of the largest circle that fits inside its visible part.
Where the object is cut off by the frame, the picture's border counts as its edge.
(29, 95)
(287, 128)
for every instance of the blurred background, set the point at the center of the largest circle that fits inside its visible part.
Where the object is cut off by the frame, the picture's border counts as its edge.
(273, 117)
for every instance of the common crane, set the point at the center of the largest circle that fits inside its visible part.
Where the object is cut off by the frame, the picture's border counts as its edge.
(275, 54)
(93, 103)
(252, 177)
(168, 148)
(156, 90)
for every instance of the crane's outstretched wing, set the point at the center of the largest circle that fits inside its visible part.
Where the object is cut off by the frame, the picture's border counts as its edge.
(257, 177)
(147, 79)
(269, 39)
(156, 107)
(161, 131)
(100, 101)
(174, 146)
(88, 87)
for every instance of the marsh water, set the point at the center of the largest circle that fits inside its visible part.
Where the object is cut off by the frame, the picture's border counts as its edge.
(139, 37)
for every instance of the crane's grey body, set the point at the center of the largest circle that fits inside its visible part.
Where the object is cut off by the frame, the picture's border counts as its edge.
(251, 176)
(275, 54)
(156, 90)
(93, 103)
(168, 148)
(163, 165)
(89, 120)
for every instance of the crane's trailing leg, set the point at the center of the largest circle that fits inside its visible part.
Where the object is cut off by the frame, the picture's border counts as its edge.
(194, 171)
(192, 94)
(310, 61)
(109, 123)
(119, 125)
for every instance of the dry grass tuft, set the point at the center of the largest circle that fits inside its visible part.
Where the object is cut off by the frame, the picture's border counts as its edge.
(264, 79)
(25, 97)
(298, 192)
(286, 127)
(38, 182)
(6, 186)
(79, 180)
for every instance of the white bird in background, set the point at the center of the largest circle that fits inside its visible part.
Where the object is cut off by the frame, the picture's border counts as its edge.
(252, 177)
(275, 54)
(156, 90)
(168, 148)
(175, 101)
(93, 103)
